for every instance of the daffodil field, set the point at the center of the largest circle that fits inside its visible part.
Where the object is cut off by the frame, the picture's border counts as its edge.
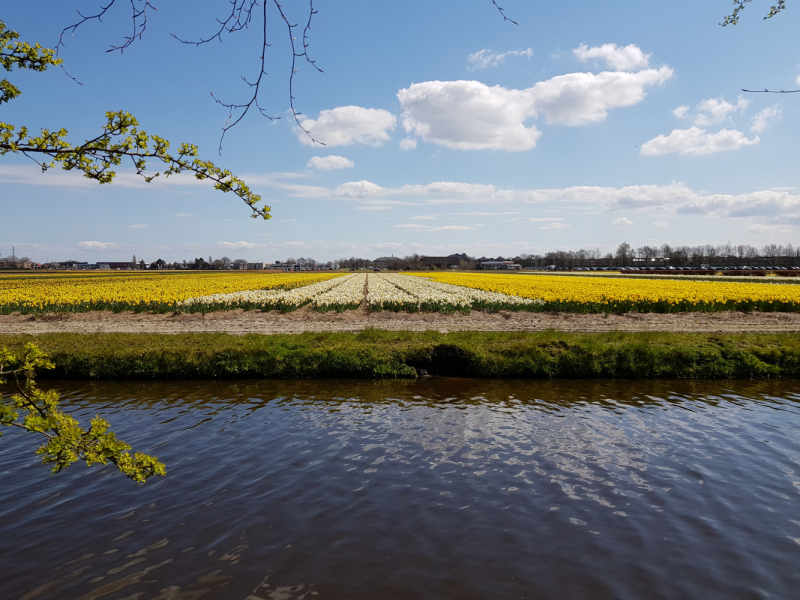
(138, 292)
(397, 292)
(427, 292)
(618, 295)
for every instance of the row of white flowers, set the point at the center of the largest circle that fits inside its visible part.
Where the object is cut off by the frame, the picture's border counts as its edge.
(347, 295)
(284, 300)
(416, 293)
(382, 294)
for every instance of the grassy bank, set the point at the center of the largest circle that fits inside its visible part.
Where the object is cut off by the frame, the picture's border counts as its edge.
(381, 354)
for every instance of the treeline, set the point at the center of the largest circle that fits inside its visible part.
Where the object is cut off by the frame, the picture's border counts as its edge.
(723, 255)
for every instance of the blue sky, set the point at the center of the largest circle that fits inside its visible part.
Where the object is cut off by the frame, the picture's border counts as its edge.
(446, 129)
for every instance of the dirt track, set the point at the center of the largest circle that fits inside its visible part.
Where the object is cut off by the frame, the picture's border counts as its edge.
(240, 322)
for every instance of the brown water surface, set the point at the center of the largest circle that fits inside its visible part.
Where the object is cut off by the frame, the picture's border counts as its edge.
(443, 488)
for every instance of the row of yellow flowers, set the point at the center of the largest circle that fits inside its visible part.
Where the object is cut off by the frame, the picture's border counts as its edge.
(594, 294)
(157, 292)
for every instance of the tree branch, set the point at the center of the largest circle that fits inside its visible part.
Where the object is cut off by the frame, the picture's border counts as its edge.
(120, 138)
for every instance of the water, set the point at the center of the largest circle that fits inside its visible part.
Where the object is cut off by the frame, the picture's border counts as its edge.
(443, 488)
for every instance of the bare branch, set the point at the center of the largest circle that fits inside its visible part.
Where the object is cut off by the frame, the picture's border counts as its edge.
(766, 91)
(502, 12)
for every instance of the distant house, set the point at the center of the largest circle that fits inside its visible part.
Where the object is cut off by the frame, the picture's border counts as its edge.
(499, 265)
(385, 262)
(443, 262)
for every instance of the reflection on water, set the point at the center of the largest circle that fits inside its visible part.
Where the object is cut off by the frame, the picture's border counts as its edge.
(443, 488)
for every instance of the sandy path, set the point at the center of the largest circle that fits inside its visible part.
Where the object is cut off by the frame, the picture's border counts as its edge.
(241, 322)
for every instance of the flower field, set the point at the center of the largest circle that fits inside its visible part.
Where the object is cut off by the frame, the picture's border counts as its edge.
(154, 292)
(418, 292)
(617, 295)
(392, 291)
(339, 294)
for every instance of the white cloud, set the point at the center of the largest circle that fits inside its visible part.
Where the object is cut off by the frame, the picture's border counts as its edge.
(769, 229)
(629, 58)
(696, 141)
(487, 58)
(139, 226)
(718, 109)
(681, 112)
(797, 81)
(661, 224)
(408, 144)
(420, 227)
(621, 222)
(347, 125)
(675, 198)
(182, 215)
(330, 163)
(358, 189)
(765, 118)
(98, 246)
(534, 219)
(581, 98)
(470, 115)
(241, 245)
(423, 218)
(555, 226)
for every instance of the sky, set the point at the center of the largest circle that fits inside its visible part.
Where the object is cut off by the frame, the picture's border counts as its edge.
(446, 129)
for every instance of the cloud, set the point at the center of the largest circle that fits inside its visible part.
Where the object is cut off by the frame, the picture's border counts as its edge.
(555, 226)
(489, 200)
(348, 125)
(423, 218)
(139, 226)
(629, 58)
(621, 222)
(487, 58)
(534, 219)
(182, 215)
(241, 245)
(696, 141)
(718, 109)
(661, 224)
(420, 227)
(681, 112)
(98, 246)
(769, 229)
(358, 189)
(765, 118)
(330, 163)
(408, 144)
(470, 115)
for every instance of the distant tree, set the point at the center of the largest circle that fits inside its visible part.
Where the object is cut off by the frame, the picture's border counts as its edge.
(623, 253)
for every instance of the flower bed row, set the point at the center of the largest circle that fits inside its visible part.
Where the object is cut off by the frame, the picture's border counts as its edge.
(337, 294)
(403, 292)
(621, 295)
(137, 292)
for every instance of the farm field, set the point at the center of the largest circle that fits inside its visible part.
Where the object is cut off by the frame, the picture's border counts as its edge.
(621, 295)
(134, 291)
(206, 292)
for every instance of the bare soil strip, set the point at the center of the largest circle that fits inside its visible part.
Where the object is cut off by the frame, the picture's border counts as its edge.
(306, 320)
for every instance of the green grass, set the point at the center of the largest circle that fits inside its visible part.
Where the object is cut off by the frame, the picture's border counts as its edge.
(376, 354)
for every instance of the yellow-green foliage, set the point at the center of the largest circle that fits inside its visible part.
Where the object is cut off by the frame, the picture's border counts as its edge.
(66, 441)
